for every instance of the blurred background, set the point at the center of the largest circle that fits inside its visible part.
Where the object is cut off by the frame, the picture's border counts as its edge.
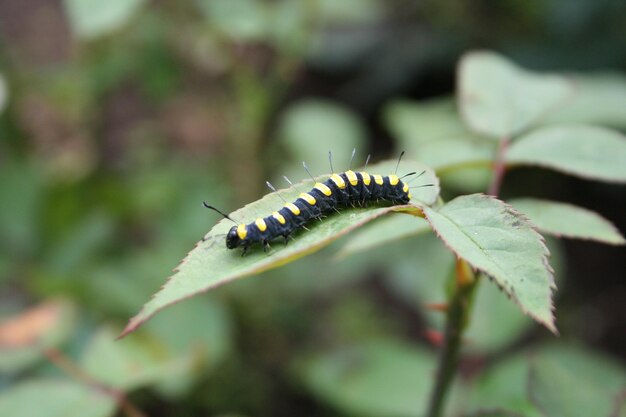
(119, 118)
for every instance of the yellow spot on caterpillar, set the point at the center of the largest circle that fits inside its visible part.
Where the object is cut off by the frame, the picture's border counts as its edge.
(366, 178)
(352, 177)
(378, 179)
(338, 181)
(278, 217)
(323, 188)
(260, 224)
(241, 231)
(410, 196)
(405, 188)
(308, 198)
(393, 180)
(293, 208)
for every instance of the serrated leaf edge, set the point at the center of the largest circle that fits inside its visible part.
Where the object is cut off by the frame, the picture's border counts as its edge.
(136, 321)
(546, 255)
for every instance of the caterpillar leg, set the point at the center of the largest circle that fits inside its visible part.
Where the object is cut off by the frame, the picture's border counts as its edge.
(318, 217)
(287, 237)
(245, 250)
(266, 246)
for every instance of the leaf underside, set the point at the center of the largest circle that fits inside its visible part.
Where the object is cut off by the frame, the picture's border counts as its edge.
(496, 239)
(381, 232)
(210, 264)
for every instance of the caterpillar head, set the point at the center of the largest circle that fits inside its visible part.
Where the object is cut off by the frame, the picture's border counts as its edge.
(233, 238)
(404, 198)
(402, 194)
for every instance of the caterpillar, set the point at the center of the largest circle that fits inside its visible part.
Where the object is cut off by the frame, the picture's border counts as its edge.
(345, 189)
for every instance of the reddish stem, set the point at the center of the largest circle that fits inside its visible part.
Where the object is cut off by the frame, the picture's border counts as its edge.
(499, 167)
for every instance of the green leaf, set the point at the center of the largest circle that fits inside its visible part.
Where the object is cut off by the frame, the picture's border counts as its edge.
(569, 382)
(496, 322)
(497, 413)
(500, 99)
(93, 18)
(20, 214)
(313, 127)
(133, 363)
(165, 351)
(349, 12)
(503, 386)
(421, 278)
(584, 151)
(373, 379)
(597, 99)
(566, 220)
(447, 154)
(309, 129)
(383, 231)
(210, 264)
(413, 123)
(242, 20)
(432, 132)
(466, 180)
(47, 397)
(492, 237)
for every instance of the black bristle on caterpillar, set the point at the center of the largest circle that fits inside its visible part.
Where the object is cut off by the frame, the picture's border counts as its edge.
(346, 189)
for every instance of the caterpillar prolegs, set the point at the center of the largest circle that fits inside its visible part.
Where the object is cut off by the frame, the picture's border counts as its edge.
(346, 189)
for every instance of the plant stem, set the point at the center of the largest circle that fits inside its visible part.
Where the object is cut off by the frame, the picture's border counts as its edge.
(70, 368)
(456, 321)
(499, 167)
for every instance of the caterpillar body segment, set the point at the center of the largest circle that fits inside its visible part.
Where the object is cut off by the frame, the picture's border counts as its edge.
(347, 189)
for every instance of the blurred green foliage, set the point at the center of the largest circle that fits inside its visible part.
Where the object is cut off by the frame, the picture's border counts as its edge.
(119, 118)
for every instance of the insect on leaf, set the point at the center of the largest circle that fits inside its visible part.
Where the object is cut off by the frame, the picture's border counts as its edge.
(210, 264)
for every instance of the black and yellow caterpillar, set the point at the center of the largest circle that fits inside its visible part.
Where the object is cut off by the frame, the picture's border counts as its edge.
(346, 189)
